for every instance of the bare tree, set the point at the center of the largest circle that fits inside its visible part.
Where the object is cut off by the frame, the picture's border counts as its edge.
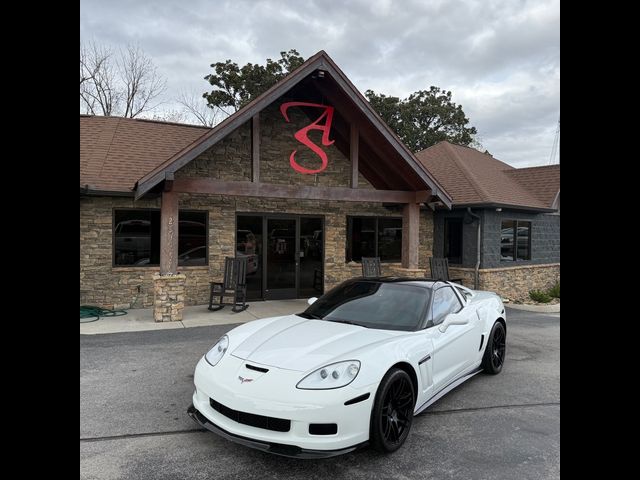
(125, 86)
(195, 106)
(141, 81)
(98, 89)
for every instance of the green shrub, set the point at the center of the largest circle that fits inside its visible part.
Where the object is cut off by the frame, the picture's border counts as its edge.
(554, 291)
(539, 296)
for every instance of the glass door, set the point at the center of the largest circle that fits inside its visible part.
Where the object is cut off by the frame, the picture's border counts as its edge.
(281, 269)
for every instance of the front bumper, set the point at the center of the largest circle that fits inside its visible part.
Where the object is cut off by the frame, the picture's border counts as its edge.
(274, 395)
(275, 448)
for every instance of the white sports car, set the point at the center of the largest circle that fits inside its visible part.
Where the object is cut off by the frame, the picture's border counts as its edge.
(354, 368)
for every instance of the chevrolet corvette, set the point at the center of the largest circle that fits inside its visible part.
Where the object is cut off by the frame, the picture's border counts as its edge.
(353, 369)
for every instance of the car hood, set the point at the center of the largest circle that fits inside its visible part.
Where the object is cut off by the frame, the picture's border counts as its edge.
(296, 343)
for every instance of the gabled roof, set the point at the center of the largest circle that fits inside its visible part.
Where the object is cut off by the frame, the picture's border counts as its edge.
(115, 151)
(476, 178)
(319, 61)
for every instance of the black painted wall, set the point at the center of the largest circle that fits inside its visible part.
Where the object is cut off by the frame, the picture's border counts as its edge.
(545, 237)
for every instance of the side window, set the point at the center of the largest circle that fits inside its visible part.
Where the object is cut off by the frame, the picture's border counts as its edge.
(444, 303)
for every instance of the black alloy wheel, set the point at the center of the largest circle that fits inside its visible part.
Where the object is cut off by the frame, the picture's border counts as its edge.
(392, 413)
(495, 352)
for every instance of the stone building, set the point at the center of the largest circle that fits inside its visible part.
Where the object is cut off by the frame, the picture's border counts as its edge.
(304, 180)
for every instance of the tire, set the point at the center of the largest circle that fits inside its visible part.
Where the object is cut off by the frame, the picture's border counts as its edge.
(392, 413)
(495, 351)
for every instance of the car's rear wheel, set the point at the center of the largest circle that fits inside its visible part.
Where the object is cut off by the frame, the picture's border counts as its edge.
(494, 354)
(392, 413)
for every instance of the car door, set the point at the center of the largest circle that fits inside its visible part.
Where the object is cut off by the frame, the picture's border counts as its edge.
(453, 349)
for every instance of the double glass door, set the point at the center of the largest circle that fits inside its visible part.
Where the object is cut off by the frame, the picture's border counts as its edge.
(285, 255)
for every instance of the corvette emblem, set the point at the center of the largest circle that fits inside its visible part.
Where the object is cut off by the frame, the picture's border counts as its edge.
(242, 379)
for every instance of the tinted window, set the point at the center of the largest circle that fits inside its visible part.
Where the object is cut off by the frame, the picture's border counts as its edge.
(453, 240)
(444, 303)
(388, 306)
(137, 237)
(390, 239)
(515, 240)
(374, 237)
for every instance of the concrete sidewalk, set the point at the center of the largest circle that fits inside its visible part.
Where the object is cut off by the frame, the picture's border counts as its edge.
(198, 316)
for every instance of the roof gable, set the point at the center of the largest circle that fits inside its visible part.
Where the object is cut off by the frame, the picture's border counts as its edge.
(386, 147)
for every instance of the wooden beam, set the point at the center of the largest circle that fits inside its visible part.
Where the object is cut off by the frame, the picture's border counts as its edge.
(255, 148)
(268, 190)
(169, 233)
(168, 181)
(410, 235)
(354, 139)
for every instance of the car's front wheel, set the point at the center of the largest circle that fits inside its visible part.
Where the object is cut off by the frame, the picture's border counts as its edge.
(495, 351)
(392, 413)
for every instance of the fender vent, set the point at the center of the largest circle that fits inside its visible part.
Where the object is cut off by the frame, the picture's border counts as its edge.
(481, 342)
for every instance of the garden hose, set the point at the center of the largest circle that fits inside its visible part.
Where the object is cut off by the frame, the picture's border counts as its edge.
(91, 313)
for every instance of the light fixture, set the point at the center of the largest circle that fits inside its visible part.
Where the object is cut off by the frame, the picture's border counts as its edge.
(498, 209)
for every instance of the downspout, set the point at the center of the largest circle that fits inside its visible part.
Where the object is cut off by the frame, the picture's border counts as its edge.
(476, 278)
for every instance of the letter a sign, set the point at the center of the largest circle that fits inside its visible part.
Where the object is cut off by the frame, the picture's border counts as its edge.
(301, 135)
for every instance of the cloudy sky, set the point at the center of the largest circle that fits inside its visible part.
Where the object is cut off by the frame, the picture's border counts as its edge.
(500, 58)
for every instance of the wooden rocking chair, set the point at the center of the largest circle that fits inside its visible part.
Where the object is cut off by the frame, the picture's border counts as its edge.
(371, 267)
(234, 283)
(440, 270)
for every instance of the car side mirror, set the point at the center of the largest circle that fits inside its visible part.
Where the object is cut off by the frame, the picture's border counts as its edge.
(452, 319)
(312, 300)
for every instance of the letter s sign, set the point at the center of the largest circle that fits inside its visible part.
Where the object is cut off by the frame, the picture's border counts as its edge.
(301, 135)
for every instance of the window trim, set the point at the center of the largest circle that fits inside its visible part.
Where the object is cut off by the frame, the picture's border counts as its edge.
(515, 240)
(185, 210)
(377, 253)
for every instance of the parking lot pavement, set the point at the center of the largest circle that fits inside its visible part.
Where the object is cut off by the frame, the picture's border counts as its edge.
(135, 388)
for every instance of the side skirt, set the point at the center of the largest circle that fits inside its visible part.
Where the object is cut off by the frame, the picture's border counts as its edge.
(446, 390)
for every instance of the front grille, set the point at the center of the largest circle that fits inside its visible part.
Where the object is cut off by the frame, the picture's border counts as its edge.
(258, 421)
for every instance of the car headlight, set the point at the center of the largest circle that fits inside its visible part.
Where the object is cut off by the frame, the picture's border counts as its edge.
(216, 352)
(334, 375)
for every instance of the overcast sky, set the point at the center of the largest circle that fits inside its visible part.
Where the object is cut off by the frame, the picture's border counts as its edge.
(500, 58)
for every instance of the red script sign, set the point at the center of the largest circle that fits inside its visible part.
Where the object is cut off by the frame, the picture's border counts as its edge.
(301, 135)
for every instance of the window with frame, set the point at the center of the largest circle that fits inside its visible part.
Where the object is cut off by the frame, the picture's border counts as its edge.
(445, 301)
(515, 240)
(453, 240)
(374, 237)
(136, 237)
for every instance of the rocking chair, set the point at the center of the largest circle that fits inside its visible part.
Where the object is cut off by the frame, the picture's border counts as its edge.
(234, 283)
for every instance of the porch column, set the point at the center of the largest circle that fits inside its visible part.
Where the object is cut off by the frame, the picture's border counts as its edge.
(410, 235)
(169, 233)
(168, 286)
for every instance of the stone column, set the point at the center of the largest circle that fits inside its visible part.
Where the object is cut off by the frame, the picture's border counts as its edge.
(168, 297)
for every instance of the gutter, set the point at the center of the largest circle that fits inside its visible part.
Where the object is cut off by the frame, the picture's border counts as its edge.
(476, 276)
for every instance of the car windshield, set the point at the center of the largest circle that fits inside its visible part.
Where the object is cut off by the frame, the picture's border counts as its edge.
(372, 304)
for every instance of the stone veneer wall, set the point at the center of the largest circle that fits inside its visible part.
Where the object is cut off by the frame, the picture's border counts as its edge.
(513, 283)
(108, 286)
(230, 159)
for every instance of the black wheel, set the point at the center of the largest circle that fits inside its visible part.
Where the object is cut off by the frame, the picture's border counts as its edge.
(392, 413)
(494, 354)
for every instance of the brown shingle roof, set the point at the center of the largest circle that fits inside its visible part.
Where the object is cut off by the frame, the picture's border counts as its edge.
(475, 178)
(115, 151)
(543, 182)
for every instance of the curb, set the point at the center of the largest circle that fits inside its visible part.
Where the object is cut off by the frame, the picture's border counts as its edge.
(535, 308)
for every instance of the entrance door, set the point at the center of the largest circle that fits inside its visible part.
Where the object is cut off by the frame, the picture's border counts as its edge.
(282, 258)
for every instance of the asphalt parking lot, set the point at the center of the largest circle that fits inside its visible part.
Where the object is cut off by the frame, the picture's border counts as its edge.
(135, 388)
